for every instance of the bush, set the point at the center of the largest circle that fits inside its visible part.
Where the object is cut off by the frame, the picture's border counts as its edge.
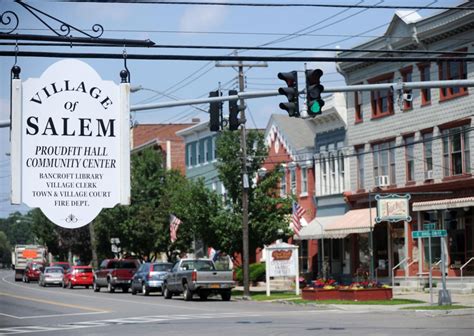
(256, 273)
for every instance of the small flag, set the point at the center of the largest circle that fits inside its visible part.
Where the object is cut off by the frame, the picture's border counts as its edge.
(174, 224)
(298, 213)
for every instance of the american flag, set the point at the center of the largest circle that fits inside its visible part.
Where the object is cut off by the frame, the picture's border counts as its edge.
(174, 224)
(298, 213)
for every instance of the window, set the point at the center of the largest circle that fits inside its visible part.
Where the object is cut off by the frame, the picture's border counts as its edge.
(332, 171)
(384, 160)
(407, 77)
(303, 256)
(342, 185)
(456, 151)
(214, 146)
(382, 100)
(199, 151)
(304, 180)
(410, 158)
(358, 107)
(449, 70)
(283, 184)
(206, 151)
(428, 151)
(190, 155)
(324, 177)
(293, 180)
(425, 75)
(360, 167)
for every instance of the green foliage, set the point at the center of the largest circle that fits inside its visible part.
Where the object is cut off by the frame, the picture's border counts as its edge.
(18, 229)
(256, 273)
(267, 210)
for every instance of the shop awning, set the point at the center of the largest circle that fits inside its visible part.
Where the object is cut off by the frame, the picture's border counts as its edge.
(315, 229)
(444, 204)
(353, 221)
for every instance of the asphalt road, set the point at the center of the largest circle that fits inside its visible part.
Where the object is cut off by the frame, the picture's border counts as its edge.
(30, 309)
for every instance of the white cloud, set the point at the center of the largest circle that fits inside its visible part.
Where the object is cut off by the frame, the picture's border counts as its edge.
(203, 17)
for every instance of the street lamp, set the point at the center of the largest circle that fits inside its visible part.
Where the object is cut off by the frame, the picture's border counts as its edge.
(323, 261)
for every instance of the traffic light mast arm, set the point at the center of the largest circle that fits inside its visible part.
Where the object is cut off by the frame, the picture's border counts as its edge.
(272, 93)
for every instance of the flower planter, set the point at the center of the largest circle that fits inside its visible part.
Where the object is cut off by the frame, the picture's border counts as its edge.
(320, 294)
(366, 294)
(363, 294)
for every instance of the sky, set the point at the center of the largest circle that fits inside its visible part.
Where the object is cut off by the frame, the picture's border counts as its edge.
(163, 81)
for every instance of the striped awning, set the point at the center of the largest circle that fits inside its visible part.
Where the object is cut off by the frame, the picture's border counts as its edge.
(353, 221)
(316, 229)
(443, 204)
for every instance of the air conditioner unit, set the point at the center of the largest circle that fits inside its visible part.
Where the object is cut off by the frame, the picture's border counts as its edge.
(428, 175)
(381, 181)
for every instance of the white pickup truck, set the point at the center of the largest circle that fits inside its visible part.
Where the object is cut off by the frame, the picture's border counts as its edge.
(198, 276)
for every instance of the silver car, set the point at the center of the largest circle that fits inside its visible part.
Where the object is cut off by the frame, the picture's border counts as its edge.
(51, 276)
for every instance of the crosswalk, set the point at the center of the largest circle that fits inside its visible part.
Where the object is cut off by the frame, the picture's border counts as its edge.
(119, 321)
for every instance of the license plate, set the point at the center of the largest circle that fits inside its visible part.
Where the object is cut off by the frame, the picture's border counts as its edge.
(215, 286)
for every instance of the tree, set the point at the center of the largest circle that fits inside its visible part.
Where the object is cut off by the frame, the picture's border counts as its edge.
(18, 229)
(5, 250)
(268, 212)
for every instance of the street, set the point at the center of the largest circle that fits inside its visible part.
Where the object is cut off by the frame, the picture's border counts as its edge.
(26, 308)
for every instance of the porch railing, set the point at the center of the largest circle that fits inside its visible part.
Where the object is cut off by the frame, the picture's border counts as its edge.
(407, 273)
(395, 267)
(462, 267)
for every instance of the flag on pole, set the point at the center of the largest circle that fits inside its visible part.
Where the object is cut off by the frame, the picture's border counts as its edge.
(174, 224)
(298, 213)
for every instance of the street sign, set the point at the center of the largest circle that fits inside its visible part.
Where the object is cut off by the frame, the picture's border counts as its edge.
(429, 226)
(429, 233)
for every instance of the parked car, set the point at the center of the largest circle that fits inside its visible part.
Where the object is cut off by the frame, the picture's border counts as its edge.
(115, 273)
(32, 271)
(149, 277)
(198, 276)
(78, 276)
(51, 275)
(64, 264)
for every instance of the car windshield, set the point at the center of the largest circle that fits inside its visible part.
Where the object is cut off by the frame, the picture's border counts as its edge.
(83, 270)
(36, 266)
(161, 267)
(54, 270)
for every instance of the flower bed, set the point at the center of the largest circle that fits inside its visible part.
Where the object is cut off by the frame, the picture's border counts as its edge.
(359, 291)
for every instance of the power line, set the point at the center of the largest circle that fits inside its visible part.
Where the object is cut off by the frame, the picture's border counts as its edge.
(269, 4)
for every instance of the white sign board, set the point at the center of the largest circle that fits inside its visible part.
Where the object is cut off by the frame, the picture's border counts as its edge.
(72, 133)
(282, 262)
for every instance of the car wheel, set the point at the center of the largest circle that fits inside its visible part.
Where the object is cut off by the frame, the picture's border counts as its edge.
(166, 292)
(226, 295)
(145, 289)
(96, 287)
(134, 291)
(187, 293)
(87, 287)
(125, 289)
(110, 288)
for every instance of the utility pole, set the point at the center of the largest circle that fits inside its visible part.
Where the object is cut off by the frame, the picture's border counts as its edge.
(245, 179)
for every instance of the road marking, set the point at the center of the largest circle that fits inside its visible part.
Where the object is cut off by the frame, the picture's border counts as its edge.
(52, 315)
(140, 320)
(52, 302)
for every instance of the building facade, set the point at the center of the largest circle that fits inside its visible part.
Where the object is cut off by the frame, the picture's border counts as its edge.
(418, 142)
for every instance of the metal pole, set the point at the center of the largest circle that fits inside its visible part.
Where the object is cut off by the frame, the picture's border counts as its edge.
(371, 242)
(245, 184)
(431, 275)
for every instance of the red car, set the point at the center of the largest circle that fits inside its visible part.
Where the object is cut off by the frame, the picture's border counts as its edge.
(32, 271)
(78, 276)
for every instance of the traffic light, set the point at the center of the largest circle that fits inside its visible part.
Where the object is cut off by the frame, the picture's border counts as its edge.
(215, 111)
(313, 92)
(291, 93)
(234, 110)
